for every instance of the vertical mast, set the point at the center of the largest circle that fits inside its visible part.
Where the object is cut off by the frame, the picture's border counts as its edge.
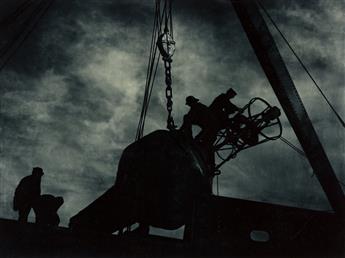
(284, 88)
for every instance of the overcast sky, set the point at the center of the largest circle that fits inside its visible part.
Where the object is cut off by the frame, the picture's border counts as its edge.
(71, 96)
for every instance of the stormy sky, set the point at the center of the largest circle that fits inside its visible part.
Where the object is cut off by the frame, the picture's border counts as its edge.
(71, 95)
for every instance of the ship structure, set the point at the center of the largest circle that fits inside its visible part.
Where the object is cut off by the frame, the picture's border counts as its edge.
(164, 180)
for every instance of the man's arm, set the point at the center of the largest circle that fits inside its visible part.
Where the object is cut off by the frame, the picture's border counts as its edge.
(231, 108)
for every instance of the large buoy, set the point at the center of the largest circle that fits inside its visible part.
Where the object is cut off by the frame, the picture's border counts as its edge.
(158, 179)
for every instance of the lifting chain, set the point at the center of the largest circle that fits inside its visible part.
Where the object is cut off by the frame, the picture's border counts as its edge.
(166, 46)
(168, 93)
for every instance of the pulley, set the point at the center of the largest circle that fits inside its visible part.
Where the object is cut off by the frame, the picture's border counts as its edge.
(163, 40)
(166, 45)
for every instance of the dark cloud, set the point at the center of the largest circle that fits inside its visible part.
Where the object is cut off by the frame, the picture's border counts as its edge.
(70, 98)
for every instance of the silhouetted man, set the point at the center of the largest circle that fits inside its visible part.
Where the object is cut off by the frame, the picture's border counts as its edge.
(27, 191)
(45, 208)
(199, 115)
(221, 107)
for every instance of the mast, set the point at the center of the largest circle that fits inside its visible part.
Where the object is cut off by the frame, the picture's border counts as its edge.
(274, 67)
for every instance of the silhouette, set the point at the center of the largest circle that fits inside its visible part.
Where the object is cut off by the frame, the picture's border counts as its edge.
(159, 177)
(210, 119)
(200, 115)
(141, 230)
(221, 108)
(27, 191)
(45, 208)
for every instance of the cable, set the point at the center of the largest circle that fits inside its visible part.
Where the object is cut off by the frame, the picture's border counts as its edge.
(171, 18)
(299, 151)
(148, 75)
(310, 76)
(13, 16)
(301, 63)
(22, 29)
(302, 228)
(152, 66)
(39, 10)
(217, 185)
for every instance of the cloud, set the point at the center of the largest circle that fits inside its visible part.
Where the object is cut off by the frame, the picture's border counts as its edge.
(71, 98)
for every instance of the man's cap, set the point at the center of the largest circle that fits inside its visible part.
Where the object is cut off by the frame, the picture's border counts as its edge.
(59, 200)
(190, 100)
(231, 91)
(37, 171)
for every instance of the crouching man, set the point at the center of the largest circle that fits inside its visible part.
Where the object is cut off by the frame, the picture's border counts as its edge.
(45, 208)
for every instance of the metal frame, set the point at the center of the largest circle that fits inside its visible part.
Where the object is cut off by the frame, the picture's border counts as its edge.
(274, 67)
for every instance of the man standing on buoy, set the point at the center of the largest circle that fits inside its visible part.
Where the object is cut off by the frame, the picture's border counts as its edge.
(221, 107)
(27, 191)
(210, 119)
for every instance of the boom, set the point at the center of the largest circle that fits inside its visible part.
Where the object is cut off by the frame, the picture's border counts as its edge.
(284, 88)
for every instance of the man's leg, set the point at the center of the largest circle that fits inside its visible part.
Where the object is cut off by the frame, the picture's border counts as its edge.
(186, 127)
(23, 214)
(143, 229)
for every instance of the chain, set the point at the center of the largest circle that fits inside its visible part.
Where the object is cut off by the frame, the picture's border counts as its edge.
(168, 93)
(166, 46)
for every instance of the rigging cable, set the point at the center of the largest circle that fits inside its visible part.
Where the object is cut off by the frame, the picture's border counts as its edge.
(310, 76)
(160, 17)
(14, 15)
(301, 63)
(40, 11)
(299, 151)
(148, 80)
(217, 178)
(151, 68)
(22, 27)
(151, 72)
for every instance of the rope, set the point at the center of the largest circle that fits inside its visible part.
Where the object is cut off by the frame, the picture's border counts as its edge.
(152, 65)
(23, 27)
(40, 11)
(301, 63)
(151, 70)
(299, 151)
(13, 16)
(149, 80)
(171, 18)
(217, 185)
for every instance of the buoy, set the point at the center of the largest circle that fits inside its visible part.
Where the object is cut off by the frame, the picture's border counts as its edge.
(158, 179)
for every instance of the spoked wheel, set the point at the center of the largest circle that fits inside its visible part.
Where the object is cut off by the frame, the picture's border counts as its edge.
(248, 129)
(224, 147)
(267, 121)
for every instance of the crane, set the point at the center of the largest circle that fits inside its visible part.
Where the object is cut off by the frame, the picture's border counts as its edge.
(285, 90)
